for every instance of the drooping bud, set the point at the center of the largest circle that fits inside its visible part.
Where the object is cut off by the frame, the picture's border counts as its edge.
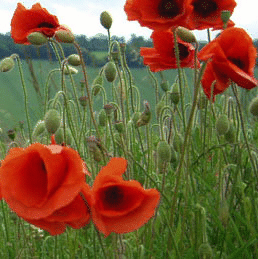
(83, 101)
(74, 60)
(164, 85)
(95, 89)
(177, 142)
(119, 126)
(185, 34)
(52, 121)
(65, 36)
(69, 69)
(39, 128)
(106, 20)
(37, 38)
(145, 116)
(110, 71)
(254, 106)
(102, 118)
(222, 124)
(7, 64)
(205, 251)
(135, 118)
(164, 151)
(59, 136)
(109, 108)
(175, 94)
(98, 80)
(93, 144)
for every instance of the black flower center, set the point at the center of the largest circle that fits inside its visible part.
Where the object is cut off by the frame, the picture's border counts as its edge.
(205, 8)
(114, 196)
(239, 63)
(183, 51)
(168, 8)
(46, 25)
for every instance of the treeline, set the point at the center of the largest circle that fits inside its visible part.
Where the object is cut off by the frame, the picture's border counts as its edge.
(93, 49)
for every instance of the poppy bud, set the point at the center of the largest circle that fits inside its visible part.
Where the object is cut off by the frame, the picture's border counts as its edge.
(96, 89)
(175, 94)
(135, 118)
(65, 36)
(202, 102)
(185, 34)
(106, 20)
(177, 142)
(222, 124)
(52, 121)
(69, 69)
(119, 126)
(254, 106)
(230, 135)
(83, 101)
(37, 38)
(59, 136)
(102, 118)
(159, 107)
(225, 16)
(39, 128)
(164, 85)
(108, 109)
(98, 80)
(145, 116)
(11, 134)
(7, 64)
(205, 251)
(164, 151)
(74, 60)
(110, 71)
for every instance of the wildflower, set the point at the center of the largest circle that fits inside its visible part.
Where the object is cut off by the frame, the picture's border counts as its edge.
(207, 14)
(162, 56)
(158, 14)
(231, 57)
(120, 206)
(37, 19)
(43, 185)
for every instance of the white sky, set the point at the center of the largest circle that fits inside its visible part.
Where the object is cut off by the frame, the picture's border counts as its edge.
(82, 16)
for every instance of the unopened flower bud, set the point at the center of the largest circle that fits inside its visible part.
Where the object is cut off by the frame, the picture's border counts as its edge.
(222, 124)
(205, 251)
(254, 106)
(69, 69)
(95, 89)
(39, 128)
(37, 38)
(135, 118)
(59, 136)
(230, 135)
(177, 142)
(202, 101)
(11, 134)
(106, 20)
(225, 16)
(145, 116)
(164, 151)
(185, 34)
(175, 94)
(98, 80)
(7, 64)
(110, 71)
(102, 118)
(164, 85)
(74, 60)
(52, 121)
(65, 36)
(119, 126)
(159, 107)
(108, 109)
(83, 101)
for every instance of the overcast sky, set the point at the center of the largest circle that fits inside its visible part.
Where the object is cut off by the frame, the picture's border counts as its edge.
(82, 16)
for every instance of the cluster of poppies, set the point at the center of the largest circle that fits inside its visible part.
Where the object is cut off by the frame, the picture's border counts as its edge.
(46, 186)
(230, 57)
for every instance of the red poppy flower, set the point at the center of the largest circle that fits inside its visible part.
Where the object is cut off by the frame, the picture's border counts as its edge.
(43, 185)
(231, 57)
(162, 56)
(120, 206)
(158, 14)
(36, 19)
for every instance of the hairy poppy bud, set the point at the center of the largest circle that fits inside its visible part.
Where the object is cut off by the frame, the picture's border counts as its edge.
(205, 251)
(254, 106)
(177, 142)
(164, 151)
(95, 89)
(7, 64)
(110, 71)
(102, 118)
(185, 34)
(135, 118)
(74, 60)
(37, 38)
(83, 101)
(69, 69)
(225, 15)
(52, 121)
(164, 85)
(98, 80)
(145, 116)
(159, 107)
(222, 124)
(39, 128)
(65, 36)
(119, 126)
(108, 109)
(59, 136)
(106, 20)
(175, 94)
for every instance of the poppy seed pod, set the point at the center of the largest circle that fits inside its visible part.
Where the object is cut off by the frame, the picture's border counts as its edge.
(185, 34)
(65, 36)
(39, 128)
(74, 60)
(164, 151)
(106, 20)
(222, 124)
(37, 38)
(52, 121)
(110, 71)
(7, 64)
(254, 106)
